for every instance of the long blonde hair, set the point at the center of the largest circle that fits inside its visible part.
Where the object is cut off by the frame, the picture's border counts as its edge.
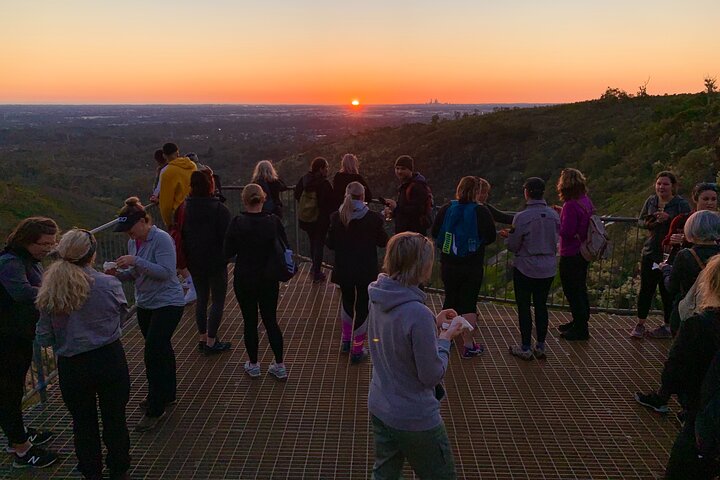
(66, 286)
(349, 164)
(708, 284)
(264, 170)
(354, 191)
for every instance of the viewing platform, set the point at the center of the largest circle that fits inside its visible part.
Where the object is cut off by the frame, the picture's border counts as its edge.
(571, 416)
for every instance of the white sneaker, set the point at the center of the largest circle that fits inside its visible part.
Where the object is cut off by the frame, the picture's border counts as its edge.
(190, 295)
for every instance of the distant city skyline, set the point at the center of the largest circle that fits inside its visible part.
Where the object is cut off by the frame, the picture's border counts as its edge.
(378, 52)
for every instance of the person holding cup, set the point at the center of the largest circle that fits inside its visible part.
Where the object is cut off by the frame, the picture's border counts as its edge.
(409, 363)
(656, 216)
(705, 197)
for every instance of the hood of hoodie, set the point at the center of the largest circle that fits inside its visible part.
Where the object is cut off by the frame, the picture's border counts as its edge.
(312, 181)
(184, 163)
(388, 294)
(416, 177)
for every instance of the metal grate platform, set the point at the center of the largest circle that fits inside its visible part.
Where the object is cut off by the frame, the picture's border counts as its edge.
(571, 416)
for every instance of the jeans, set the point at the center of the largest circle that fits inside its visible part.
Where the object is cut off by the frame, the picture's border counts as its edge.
(650, 280)
(15, 359)
(206, 284)
(263, 294)
(573, 276)
(532, 291)
(158, 326)
(428, 452)
(98, 375)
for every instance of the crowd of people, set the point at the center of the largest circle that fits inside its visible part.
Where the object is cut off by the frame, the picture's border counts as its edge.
(79, 311)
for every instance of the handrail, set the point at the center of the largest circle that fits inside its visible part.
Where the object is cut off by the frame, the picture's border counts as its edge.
(497, 266)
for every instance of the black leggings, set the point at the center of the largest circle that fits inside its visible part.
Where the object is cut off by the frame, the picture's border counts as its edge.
(573, 276)
(15, 359)
(649, 280)
(263, 294)
(355, 302)
(101, 377)
(206, 284)
(462, 286)
(157, 326)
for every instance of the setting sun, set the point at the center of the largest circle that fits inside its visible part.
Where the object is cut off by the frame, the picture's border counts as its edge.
(355, 103)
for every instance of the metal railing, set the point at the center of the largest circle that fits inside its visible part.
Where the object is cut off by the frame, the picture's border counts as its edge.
(613, 284)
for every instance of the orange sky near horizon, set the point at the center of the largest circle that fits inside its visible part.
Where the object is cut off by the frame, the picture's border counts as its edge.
(318, 52)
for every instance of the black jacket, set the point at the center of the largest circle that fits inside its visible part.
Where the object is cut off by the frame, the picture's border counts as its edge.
(486, 232)
(652, 249)
(692, 351)
(203, 234)
(411, 212)
(340, 182)
(251, 238)
(20, 278)
(317, 183)
(273, 204)
(356, 259)
(707, 424)
(685, 269)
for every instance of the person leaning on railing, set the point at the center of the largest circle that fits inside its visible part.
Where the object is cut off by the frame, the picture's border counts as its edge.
(151, 264)
(81, 311)
(656, 215)
(265, 175)
(20, 279)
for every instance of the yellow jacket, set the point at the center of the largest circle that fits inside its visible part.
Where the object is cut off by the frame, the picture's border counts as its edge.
(174, 187)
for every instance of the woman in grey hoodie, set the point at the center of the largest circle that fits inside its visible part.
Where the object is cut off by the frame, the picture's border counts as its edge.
(409, 363)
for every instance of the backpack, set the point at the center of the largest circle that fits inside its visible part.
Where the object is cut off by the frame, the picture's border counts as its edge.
(426, 220)
(596, 245)
(458, 234)
(687, 307)
(281, 265)
(308, 208)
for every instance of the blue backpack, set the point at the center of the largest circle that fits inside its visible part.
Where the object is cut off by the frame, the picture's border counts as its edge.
(458, 235)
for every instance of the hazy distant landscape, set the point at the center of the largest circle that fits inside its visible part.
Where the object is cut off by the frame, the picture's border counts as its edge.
(78, 163)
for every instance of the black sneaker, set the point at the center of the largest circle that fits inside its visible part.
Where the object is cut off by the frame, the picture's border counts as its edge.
(652, 401)
(575, 334)
(36, 437)
(218, 347)
(345, 346)
(201, 347)
(148, 423)
(35, 457)
(566, 326)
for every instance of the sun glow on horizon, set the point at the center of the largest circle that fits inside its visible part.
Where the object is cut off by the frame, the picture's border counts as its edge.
(355, 103)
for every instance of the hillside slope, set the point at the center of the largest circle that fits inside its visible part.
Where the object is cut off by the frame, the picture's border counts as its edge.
(619, 143)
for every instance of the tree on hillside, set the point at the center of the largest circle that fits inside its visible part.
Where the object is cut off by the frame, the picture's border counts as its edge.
(614, 94)
(642, 89)
(710, 87)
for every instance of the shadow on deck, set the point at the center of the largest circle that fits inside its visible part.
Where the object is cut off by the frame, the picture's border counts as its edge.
(571, 416)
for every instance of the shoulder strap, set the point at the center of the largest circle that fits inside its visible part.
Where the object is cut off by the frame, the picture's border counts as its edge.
(700, 263)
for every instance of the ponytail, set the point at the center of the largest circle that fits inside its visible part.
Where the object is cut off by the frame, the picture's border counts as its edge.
(354, 191)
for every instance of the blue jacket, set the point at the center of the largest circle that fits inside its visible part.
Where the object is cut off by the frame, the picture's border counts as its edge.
(94, 325)
(156, 281)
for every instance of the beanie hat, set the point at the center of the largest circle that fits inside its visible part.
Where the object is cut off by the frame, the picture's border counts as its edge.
(405, 161)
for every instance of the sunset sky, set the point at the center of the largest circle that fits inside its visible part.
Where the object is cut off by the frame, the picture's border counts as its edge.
(330, 52)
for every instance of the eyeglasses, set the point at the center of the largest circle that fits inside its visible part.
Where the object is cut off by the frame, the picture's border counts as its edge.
(45, 244)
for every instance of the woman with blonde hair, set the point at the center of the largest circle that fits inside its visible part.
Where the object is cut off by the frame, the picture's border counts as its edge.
(151, 264)
(251, 238)
(409, 363)
(349, 172)
(355, 234)
(20, 277)
(695, 345)
(461, 230)
(267, 177)
(574, 221)
(81, 311)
